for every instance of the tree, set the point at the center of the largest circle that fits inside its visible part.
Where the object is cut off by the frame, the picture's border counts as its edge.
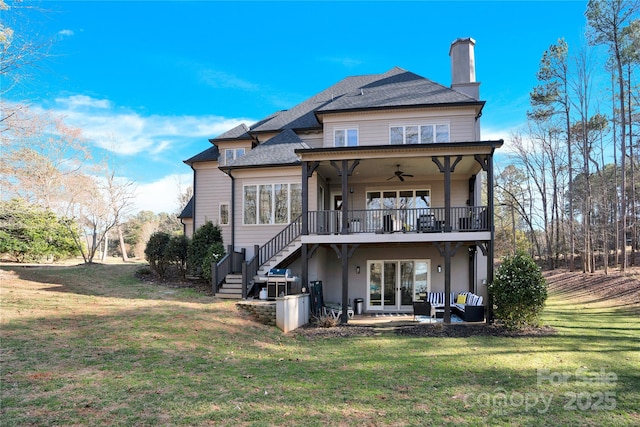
(549, 98)
(519, 292)
(30, 233)
(607, 21)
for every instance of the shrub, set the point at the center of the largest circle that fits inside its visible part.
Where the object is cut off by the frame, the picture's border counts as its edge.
(202, 239)
(214, 254)
(176, 253)
(156, 253)
(519, 292)
(31, 233)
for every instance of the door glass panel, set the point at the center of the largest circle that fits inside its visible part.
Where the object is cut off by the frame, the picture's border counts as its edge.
(390, 283)
(375, 284)
(406, 282)
(421, 284)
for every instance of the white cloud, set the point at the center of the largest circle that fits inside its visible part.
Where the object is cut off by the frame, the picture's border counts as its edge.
(220, 79)
(161, 195)
(66, 33)
(343, 60)
(128, 132)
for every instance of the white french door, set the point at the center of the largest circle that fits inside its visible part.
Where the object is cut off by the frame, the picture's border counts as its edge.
(395, 284)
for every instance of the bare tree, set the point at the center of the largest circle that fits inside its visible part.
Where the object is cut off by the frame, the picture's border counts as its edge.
(607, 22)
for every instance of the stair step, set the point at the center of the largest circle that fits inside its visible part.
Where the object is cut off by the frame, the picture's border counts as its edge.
(229, 296)
(231, 286)
(234, 279)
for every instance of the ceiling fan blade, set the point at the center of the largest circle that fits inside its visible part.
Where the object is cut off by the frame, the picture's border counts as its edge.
(401, 178)
(389, 179)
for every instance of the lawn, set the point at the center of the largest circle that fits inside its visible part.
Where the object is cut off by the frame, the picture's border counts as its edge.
(91, 345)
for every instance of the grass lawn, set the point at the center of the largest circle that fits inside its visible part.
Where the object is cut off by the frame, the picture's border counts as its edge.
(90, 345)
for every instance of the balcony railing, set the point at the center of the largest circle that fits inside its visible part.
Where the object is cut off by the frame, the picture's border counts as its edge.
(461, 219)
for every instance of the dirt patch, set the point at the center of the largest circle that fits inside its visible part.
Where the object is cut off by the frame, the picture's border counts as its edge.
(174, 281)
(423, 330)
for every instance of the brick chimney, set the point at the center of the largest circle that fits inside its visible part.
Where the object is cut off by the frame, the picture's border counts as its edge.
(463, 67)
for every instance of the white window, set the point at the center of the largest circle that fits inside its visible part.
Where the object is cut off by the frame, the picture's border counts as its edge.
(231, 154)
(224, 214)
(345, 138)
(414, 134)
(271, 203)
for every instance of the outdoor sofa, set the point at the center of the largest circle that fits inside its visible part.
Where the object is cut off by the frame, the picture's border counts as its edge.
(467, 305)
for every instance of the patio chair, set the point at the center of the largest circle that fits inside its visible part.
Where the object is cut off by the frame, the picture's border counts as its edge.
(335, 310)
(423, 308)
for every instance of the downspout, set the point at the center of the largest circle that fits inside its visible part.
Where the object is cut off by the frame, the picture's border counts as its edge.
(195, 179)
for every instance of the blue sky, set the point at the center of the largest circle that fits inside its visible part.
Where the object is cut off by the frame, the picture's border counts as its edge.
(150, 82)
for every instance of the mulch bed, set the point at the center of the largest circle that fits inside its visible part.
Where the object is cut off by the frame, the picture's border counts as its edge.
(424, 330)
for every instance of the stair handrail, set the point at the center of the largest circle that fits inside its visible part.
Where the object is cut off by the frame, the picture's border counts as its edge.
(267, 251)
(231, 262)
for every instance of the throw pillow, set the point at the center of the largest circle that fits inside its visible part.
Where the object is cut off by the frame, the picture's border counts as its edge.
(461, 299)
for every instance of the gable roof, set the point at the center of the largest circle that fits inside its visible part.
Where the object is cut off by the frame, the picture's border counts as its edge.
(187, 212)
(397, 88)
(210, 154)
(239, 132)
(394, 89)
(279, 150)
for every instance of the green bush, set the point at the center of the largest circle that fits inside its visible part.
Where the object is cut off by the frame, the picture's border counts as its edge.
(201, 242)
(519, 292)
(176, 253)
(156, 253)
(31, 233)
(214, 254)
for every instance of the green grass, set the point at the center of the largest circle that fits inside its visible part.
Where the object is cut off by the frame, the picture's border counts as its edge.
(90, 345)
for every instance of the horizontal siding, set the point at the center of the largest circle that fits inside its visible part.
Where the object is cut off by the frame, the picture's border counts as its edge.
(213, 187)
(249, 235)
(373, 128)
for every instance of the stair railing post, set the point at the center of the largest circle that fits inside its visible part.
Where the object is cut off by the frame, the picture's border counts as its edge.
(245, 280)
(214, 277)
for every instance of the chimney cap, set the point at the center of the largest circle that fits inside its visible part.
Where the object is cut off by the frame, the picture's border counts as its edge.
(467, 40)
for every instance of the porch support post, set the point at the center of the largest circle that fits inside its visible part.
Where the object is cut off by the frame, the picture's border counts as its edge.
(491, 244)
(344, 170)
(345, 283)
(305, 267)
(447, 168)
(486, 161)
(447, 253)
(344, 253)
(305, 200)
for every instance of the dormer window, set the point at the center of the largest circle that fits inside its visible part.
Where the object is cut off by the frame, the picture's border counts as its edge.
(231, 154)
(422, 134)
(345, 138)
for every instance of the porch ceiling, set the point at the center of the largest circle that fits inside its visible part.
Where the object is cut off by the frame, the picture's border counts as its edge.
(376, 170)
(378, 163)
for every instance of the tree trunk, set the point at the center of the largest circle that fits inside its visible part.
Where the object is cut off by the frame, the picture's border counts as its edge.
(123, 248)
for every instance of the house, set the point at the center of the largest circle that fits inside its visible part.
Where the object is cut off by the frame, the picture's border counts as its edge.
(379, 186)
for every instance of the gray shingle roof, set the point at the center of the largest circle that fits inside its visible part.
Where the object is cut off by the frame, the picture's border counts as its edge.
(210, 154)
(393, 89)
(239, 132)
(278, 150)
(187, 212)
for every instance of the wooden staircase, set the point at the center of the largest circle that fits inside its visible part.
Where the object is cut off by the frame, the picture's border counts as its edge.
(231, 287)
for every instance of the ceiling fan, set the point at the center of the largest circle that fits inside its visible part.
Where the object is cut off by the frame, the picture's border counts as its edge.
(400, 175)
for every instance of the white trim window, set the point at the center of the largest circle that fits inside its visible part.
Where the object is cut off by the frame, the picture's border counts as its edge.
(231, 154)
(267, 204)
(345, 137)
(422, 134)
(224, 214)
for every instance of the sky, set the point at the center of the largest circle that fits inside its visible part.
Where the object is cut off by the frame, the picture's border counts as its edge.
(150, 82)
